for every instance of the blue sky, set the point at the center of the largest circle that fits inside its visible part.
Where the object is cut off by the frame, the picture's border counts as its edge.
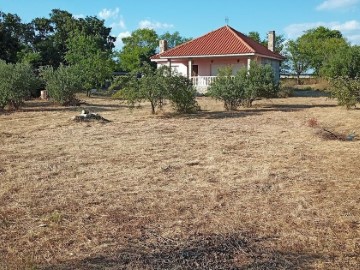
(193, 18)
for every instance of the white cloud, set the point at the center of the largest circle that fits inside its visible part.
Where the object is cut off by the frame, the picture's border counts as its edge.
(109, 13)
(354, 39)
(118, 42)
(79, 16)
(350, 29)
(347, 26)
(154, 25)
(120, 24)
(293, 31)
(336, 4)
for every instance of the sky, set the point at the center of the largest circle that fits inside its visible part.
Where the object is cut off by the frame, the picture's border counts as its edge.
(193, 18)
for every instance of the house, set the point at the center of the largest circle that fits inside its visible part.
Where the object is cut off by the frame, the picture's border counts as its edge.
(200, 58)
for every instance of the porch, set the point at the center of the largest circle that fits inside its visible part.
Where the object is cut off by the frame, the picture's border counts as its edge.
(202, 83)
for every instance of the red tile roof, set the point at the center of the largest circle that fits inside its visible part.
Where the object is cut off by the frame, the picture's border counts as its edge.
(224, 41)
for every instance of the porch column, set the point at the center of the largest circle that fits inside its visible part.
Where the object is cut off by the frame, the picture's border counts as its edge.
(190, 64)
(169, 63)
(248, 63)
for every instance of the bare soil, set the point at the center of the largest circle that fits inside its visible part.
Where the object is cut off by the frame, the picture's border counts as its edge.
(253, 189)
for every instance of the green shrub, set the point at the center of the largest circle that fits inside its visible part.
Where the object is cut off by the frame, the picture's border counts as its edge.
(227, 88)
(16, 83)
(181, 93)
(155, 86)
(346, 90)
(62, 84)
(120, 82)
(245, 87)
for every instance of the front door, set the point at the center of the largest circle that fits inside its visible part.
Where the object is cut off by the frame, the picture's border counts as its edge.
(195, 71)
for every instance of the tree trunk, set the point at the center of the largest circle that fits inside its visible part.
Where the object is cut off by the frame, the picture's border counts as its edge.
(298, 79)
(152, 108)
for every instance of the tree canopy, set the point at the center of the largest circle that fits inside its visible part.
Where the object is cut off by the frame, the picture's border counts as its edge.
(138, 48)
(295, 61)
(344, 62)
(174, 39)
(318, 44)
(94, 65)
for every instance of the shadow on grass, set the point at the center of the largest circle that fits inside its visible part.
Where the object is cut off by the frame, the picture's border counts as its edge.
(48, 106)
(310, 93)
(297, 107)
(247, 112)
(230, 251)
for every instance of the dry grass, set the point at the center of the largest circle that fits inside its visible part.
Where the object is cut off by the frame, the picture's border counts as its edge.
(252, 189)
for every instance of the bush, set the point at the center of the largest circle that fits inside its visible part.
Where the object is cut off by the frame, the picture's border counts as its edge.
(245, 87)
(182, 94)
(346, 90)
(228, 90)
(62, 84)
(16, 83)
(119, 82)
(156, 85)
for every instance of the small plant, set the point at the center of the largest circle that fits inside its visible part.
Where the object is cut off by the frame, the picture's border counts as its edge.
(55, 217)
(312, 122)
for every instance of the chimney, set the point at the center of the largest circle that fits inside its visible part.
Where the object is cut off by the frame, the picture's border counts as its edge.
(163, 45)
(271, 41)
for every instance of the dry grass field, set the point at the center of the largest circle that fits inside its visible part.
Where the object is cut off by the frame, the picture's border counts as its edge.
(259, 188)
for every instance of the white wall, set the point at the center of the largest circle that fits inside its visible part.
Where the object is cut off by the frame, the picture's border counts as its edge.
(275, 64)
(179, 67)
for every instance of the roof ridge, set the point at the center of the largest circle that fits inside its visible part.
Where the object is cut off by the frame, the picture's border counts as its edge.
(224, 41)
(236, 34)
(187, 42)
(258, 43)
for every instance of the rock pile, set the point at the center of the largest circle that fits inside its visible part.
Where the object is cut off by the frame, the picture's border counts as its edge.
(88, 116)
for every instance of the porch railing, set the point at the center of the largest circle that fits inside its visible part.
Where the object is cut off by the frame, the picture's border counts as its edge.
(203, 81)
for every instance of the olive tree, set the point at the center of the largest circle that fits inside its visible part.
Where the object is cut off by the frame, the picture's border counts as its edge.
(62, 83)
(16, 83)
(156, 85)
(245, 87)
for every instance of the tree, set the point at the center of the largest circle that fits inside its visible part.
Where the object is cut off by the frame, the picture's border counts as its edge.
(180, 91)
(345, 62)
(297, 63)
(255, 36)
(16, 83)
(14, 36)
(51, 35)
(318, 44)
(95, 65)
(62, 83)
(245, 87)
(260, 83)
(225, 88)
(346, 90)
(174, 39)
(154, 85)
(145, 83)
(343, 70)
(137, 49)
